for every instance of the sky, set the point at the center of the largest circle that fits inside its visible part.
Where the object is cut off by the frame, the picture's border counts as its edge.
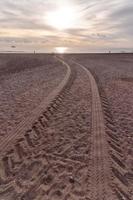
(66, 25)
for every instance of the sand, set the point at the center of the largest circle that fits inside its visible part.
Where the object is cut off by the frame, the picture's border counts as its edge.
(81, 149)
(23, 88)
(115, 73)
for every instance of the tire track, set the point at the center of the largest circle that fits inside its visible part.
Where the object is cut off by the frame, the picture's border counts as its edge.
(119, 182)
(100, 170)
(26, 124)
(107, 156)
(66, 167)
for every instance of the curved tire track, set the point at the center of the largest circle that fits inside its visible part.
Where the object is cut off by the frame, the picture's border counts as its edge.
(100, 171)
(118, 182)
(26, 124)
(105, 180)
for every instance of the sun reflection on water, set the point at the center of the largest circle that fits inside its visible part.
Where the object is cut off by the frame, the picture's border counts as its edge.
(61, 50)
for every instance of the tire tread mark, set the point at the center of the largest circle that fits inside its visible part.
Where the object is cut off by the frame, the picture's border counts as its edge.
(100, 170)
(26, 124)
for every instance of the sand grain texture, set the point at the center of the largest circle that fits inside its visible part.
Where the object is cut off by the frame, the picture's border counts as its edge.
(80, 146)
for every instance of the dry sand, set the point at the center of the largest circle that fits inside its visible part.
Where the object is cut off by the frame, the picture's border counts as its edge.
(115, 73)
(82, 150)
(24, 83)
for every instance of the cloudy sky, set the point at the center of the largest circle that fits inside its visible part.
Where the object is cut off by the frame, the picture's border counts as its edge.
(76, 25)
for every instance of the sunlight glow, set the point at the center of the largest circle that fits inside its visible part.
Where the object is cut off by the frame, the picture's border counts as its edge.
(62, 18)
(61, 50)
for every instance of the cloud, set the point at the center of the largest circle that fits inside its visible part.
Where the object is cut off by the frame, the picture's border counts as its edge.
(104, 23)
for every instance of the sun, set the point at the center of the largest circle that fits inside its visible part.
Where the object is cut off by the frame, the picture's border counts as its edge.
(62, 18)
